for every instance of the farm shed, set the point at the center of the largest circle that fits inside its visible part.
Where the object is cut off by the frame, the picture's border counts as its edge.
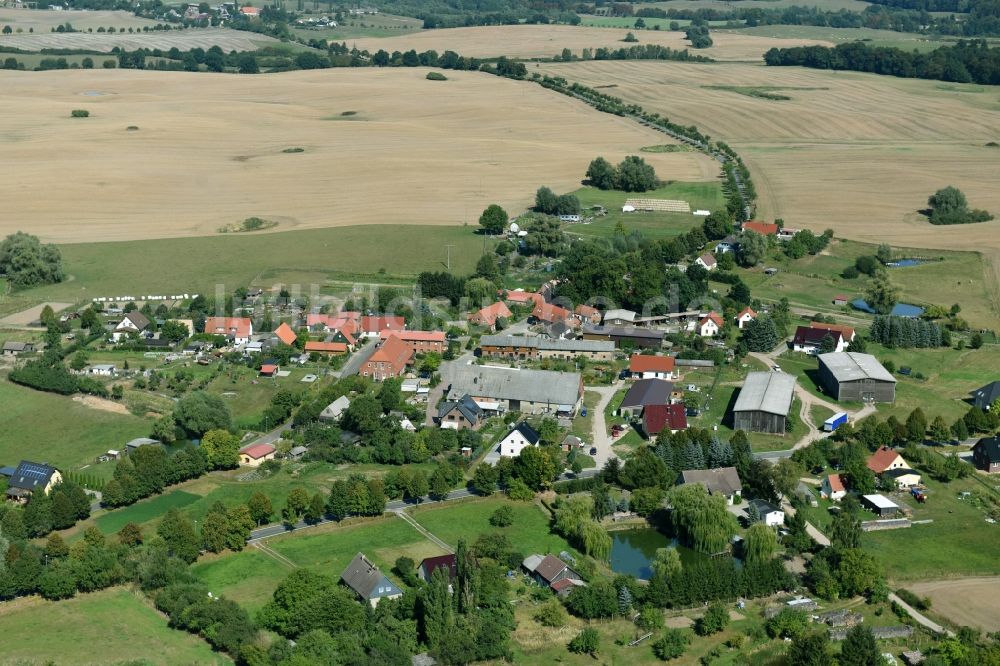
(764, 401)
(880, 505)
(855, 376)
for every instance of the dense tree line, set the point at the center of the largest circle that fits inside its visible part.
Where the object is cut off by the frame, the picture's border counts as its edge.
(150, 469)
(965, 62)
(905, 332)
(632, 174)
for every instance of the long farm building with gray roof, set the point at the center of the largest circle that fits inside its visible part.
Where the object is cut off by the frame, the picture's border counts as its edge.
(764, 402)
(856, 376)
(523, 390)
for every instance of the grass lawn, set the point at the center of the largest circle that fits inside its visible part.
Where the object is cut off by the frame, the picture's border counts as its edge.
(47, 427)
(248, 395)
(110, 626)
(192, 265)
(813, 281)
(583, 426)
(819, 414)
(652, 225)
(251, 576)
(145, 511)
(958, 543)
(377, 25)
(468, 519)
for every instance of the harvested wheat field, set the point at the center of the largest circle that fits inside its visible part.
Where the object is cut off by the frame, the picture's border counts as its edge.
(545, 41)
(41, 20)
(380, 146)
(858, 153)
(204, 38)
(968, 602)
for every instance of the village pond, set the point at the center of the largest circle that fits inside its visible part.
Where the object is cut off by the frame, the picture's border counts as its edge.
(632, 550)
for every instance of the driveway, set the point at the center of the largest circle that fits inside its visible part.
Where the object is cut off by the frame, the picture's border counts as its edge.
(600, 439)
(358, 358)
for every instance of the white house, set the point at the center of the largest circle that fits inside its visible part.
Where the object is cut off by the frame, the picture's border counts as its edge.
(133, 322)
(521, 436)
(103, 370)
(333, 411)
(769, 514)
(709, 325)
(706, 261)
(745, 317)
(833, 488)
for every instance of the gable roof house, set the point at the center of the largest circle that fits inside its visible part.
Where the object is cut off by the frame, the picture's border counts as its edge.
(986, 454)
(518, 389)
(657, 418)
(237, 329)
(644, 366)
(447, 562)
(644, 393)
(488, 315)
(764, 402)
(521, 436)
(286, 334)
(745, 316)
(619, 317)
(255, 454)
(587, 314)
(522, 297)
(901, 478)
(461, 414)
(30, 477)
(982, 398)
(314, 346)
(12, 348)
(372, 326)
(707, 261)
(762, 228)
(388, 361)
(847, 331)
(333, 411)
(770, 515)
(885, 459)
(728, 244)
(133, 322)
(809, 340)
(723, 481)
(420, 342)
(833, 487)
(551, 314)
(550, 571)
(368, 582)
(710, 325)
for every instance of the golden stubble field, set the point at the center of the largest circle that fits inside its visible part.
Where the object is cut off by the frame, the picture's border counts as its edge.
(858, 153)
(208, 150)
(545, 41)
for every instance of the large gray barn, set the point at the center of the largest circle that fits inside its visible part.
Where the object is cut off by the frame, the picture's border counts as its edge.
(855, 376)
(764, 401)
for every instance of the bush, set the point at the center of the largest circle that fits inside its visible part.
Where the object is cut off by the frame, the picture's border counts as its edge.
(436, 76)
(715, 619)
(80, 113)
(586, 642)
(502, 517)
(850, 273)
(671, 645)
(551, 614)
(913, 600)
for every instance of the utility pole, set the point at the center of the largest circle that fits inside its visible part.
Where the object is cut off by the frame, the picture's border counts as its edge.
(448, 265)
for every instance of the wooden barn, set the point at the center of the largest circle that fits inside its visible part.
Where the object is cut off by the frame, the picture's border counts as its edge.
(855, 376)
(763, 403)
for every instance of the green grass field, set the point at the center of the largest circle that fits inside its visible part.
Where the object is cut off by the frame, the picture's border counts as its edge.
(958, 543)
(46, 427)
(144, 511)
(250, 577)
(107, 627)
(908, 41)
(706, 195)
(813, 281)
(378, 25)
(197, 265)
(468, 519)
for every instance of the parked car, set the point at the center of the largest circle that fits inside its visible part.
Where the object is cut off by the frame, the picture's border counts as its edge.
(593, 450)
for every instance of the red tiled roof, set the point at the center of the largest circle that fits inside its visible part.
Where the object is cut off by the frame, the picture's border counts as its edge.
(330, 347)
(394, 352)
(714, 317)
(258, 451)
(250, 11)
(879, 461)
(430, 336)
(805, 335)
(747, 311)
(523, 297)
(846, 331)
(488, 315)
(239, 327)
(550, 313)
(647, 363)
(587, 311)
(763, 228)
(563, 584)
(268, 369)
(656, 418)
(836, 483)
(286, 334)
(447, 562)
(378, 323)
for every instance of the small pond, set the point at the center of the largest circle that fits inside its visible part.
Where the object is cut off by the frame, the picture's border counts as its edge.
(632, 550)
(905, 263)
(900, 309)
